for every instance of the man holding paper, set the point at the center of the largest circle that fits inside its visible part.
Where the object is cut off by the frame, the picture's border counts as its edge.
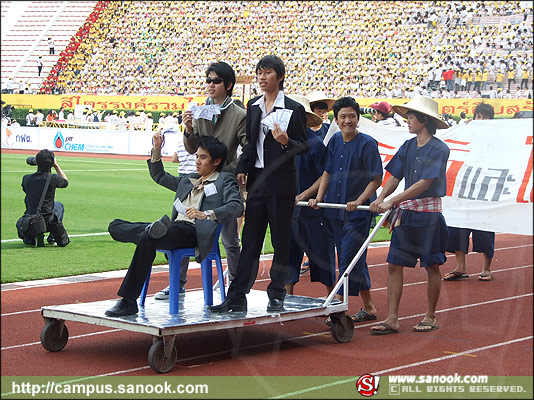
(221, 118)
(203, 200)
(276, 133)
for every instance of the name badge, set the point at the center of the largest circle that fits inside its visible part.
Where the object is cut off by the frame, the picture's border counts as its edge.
(210, 189)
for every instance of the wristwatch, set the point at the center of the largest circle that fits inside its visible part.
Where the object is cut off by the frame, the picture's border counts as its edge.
(207, 215)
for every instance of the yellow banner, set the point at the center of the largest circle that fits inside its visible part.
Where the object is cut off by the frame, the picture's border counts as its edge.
(504, 108)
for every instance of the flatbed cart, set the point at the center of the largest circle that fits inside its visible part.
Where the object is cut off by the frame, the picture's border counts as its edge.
(193, 316)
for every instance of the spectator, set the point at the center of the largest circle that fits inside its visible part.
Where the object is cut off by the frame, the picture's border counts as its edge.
(61, 114)
(39, 65)
(51, 45)
(51, 116)
(39, 117)
(10, 85)
(30, 118)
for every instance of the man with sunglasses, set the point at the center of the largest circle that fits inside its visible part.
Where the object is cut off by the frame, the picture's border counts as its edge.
(229, 128)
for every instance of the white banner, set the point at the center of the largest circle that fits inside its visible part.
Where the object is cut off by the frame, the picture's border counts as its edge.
(489, 173)
(99, 141)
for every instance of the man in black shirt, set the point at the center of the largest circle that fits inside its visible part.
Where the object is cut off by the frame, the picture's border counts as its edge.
(33, 185)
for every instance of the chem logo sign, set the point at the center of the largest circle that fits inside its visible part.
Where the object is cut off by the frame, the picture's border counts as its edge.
(367, 385)
(58, 140)
(67, 143)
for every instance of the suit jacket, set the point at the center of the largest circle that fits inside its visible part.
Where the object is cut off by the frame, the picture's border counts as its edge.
(279, 175)
(226, 203)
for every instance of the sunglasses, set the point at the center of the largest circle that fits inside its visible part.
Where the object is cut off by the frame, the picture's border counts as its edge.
(214, 80)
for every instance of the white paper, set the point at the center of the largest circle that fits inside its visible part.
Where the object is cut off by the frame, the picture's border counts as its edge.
(281, 117)
(179, 206)
(191, 105)
(210, 189)
(206, 111)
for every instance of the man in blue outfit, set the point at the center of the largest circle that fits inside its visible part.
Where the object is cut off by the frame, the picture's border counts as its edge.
(309, 232)
(419, 229)
(352, 174)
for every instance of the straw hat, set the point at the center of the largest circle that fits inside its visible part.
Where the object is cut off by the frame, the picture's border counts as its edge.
(316, 96)
(424, 105)
(312, 119)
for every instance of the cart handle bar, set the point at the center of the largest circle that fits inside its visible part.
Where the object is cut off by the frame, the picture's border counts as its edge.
(331, 205)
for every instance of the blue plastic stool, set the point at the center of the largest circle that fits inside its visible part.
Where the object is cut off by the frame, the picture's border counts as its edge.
(175, 258)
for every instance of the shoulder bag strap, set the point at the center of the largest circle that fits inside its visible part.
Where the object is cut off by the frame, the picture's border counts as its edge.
(44, 193)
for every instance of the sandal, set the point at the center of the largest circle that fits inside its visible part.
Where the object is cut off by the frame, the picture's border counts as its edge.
(362, 316)
(485, 276)
(455, 276)
(424, 326)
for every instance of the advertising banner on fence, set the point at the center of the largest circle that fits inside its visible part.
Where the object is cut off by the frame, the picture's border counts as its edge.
(100, 141)
(489, 172)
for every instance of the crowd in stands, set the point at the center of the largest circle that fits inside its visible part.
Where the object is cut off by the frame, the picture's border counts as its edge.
(363, 49)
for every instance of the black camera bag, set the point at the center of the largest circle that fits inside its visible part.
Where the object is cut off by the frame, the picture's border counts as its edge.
(32, 225)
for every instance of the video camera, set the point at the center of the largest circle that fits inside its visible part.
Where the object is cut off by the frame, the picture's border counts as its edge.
(31, 160)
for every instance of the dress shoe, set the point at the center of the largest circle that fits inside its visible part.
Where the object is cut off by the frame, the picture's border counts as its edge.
(158, 229)
(235, 305)
(122, 308)
(275, 305)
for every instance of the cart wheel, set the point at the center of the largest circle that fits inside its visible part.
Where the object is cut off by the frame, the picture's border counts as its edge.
(342, 327)
(157, 360)
(53, 338)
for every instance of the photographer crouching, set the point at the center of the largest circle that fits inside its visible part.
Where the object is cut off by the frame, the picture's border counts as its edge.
(40, 188)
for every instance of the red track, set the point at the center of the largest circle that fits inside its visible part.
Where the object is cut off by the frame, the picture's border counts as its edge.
(491, 320)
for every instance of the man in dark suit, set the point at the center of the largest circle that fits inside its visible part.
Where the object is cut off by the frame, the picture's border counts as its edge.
(267, 166)
(205, 200)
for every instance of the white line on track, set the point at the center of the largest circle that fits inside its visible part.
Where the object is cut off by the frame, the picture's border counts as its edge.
(401, 367)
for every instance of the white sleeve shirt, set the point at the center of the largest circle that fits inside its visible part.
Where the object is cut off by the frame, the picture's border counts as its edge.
(278, 103)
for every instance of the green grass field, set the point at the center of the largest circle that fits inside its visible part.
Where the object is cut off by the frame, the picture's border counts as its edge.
(100, 190)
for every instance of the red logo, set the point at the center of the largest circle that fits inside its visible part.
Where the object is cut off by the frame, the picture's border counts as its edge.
(367, 385)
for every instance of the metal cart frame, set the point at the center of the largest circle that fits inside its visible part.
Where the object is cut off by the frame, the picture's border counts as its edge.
(193, 316)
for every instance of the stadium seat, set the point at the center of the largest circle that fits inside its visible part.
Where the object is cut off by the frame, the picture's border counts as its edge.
(175, 257)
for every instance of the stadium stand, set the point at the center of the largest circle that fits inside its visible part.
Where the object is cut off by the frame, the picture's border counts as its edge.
(26, 28)
(365, 49)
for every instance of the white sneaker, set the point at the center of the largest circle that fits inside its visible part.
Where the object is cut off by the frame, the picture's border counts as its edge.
(162, 294)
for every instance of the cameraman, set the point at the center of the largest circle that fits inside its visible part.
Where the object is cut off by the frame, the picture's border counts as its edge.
(33, 185)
